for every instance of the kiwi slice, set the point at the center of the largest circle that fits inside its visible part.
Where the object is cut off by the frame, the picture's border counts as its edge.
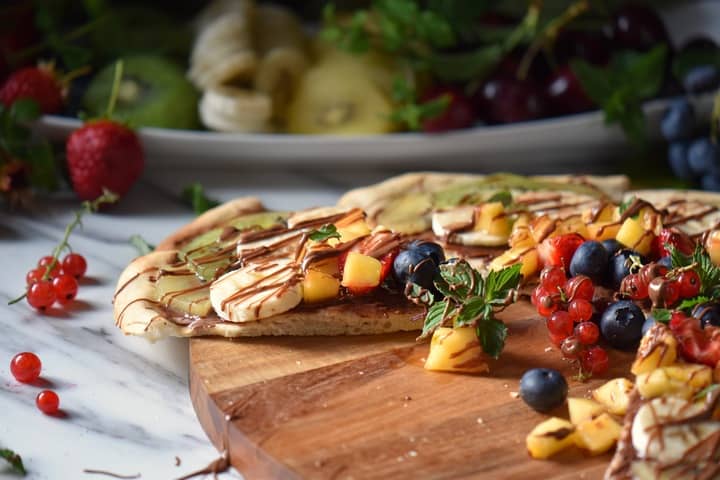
(153, 93)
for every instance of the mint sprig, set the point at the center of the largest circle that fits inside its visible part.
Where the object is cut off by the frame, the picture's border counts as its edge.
(410, 112)
(14, 460)
(325, 232)
(471, 300)
(194, 196)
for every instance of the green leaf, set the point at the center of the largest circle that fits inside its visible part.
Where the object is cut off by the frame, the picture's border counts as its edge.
(626, 204)
(677, 258)
(465, 66)
(689, 303)
(470, 312)
(420, 294)
(433, 319)
(325, 232)
(194, 196)
(43, 171)
(492, 334)
(499, 283)
(142, 246)
(25, 110)
(14, 460)
(463, 280)
(643, 73)
(596, 82)
(503, 196)
(661, 315)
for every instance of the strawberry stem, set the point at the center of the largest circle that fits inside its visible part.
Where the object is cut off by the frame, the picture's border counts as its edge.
(115, 89)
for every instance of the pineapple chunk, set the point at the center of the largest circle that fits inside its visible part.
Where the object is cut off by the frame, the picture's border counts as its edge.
(549, 437)
(598, 435)
(650, 220)
(607, 213)
(614, 395)
(361, 271)
(328, 266)
(351, 232)
(633, 235)
(456, 350)
(603, 230)
(572, 225)
(521, 237)
(681, 380)
(528, 256)
(319, 286)
(712, 245)
(583, 409)
(658, 348)
(492, 219)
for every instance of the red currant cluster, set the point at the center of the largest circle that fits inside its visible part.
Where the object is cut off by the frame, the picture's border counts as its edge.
(54, 280)
(652, 281)
(566, 306)
(26, 367)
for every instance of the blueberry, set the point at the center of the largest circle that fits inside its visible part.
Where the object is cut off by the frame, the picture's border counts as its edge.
(543, 389)
(665, 261)
(621, 265)
(678, 160)
(612, 246)
(428, 249)
(647, 325)
(710, 182)
(423, 273)
(404, 263)
(708, 313)
(621, 324)
(703, 156)
(678, 121)
(702, 79)
(590, 259)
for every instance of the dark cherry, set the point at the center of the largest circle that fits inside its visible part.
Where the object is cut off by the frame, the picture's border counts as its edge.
(460, 112)
(505, 99)
(565, 94)
(638, 27)
(589, 46)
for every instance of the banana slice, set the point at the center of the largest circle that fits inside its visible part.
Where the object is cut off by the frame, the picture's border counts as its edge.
(230, 109)
(658, 435)
(457, 226)
(257, 291)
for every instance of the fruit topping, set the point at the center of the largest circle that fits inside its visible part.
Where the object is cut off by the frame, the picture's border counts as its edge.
(594, 361)
(621, 324)
(587, 333)
(590, 259)
(697, 344)
(543, 389)
(558, 251)
(418, 263)
(25, 367)
(708, 314)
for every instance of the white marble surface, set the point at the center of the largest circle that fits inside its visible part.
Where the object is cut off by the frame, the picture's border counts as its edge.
(127, 404)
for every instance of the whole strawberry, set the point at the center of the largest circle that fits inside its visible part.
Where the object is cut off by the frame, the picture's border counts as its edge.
(36, 83)
(103, 154)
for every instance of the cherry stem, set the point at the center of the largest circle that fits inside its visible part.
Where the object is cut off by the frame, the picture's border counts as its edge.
(115, 89)
(93, 206)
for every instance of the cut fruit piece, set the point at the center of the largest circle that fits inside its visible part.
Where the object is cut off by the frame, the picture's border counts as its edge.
(571, 225)
(527, 256)
(361, 271)
(521, 237)
(550, 437)
(598, 435)
(614, 395)
(352, 231)
(491, 218)
(319, 286)
(543, 227)
(607, 213)
(633, 235)
(712, 246)
(658, 348)
(681, 380)
(582, 409)
(456, 350)
(600, 231)
(181, 290)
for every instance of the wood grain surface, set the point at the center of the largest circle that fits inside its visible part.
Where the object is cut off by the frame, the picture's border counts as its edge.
(364, 407)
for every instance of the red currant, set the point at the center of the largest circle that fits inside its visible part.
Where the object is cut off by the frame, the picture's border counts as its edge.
(41, 295)
(546, 305)
(689, 282)
(594, 360)
(580, 310)
(663, 292)
(74, 264)
(34, 275)
(557, 340)
(587, 332)
(580, 287)
(48, 402)
(634, 287)
(552, 278)
(571, 347)
(66, 288)
(46, 261)
(560, 323)
(25, 367)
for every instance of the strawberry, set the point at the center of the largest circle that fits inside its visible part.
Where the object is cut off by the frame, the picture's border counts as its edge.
(675, 238)
(558, 251)
(103, 154)
(696, 344)
(36, 83)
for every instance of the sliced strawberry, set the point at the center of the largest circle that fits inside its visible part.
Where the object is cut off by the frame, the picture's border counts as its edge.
(674, 237)
(558, 251)
(696, 344)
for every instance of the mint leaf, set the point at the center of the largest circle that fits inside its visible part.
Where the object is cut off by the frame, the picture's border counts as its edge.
(690, 303)
(626, 204)
(492, 335)
(677, 258)
(24, 110)
(419, 294)
(142, 246)
(499, 283)
(433, 319)
(503, 196)
(325, 232)
(661, 315)
(471, 311)
(409, 113)
(194, 196)
(14, 460)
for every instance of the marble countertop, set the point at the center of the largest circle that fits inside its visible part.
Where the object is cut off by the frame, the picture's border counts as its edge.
(126, 401)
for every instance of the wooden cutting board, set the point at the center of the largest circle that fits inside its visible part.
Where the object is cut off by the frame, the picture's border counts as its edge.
(364, 407)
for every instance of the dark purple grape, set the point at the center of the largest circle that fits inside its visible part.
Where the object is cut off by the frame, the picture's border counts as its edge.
(565, 93)
(638, 27)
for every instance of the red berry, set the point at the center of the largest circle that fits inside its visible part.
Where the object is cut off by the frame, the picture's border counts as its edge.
(663, 292)
(571, 347)
(558, 251)
(459, 113)
(552, 278)
(547, 304)
(34, 275)
(587, 332)
(580, 310)
(594, 360)
(580, 287)
(66, 288)
(35, 83)
(634, 287)
(557, 339)
(41, 295)
(74, 264)
(46, 261)
(560, 323)
(103, 154)
(25, 367)
(689, 282)
(675, 238)
(48, 402)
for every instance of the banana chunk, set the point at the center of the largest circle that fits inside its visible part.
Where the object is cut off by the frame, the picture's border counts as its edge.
(231, 109)
(457, 225)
